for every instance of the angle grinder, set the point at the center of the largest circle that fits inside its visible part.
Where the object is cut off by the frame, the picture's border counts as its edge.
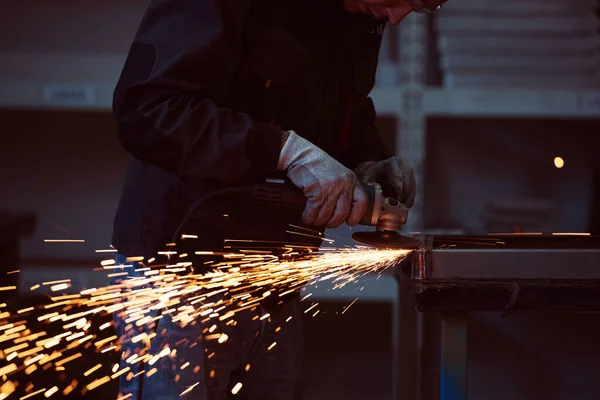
(386, 214)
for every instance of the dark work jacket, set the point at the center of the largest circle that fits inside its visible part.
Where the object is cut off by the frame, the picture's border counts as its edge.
(207, 88)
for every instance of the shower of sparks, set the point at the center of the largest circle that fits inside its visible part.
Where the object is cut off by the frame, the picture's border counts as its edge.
(240, 282)
(349, 305)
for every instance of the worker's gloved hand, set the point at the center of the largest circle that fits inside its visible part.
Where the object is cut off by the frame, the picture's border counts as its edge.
(393, 172)
(333, 193)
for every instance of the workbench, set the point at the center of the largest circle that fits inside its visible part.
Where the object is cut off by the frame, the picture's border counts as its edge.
(451, 276)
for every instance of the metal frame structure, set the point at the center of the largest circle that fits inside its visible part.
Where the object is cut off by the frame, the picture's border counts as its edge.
(407, 97)
(415, 103)
(566, 269)
(508, 264)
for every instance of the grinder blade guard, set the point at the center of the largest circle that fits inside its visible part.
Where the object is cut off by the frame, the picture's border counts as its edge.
(388, 216)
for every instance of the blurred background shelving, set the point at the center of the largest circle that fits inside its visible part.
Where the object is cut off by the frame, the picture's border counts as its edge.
(497, 61)
(537, 57)
(474, 59)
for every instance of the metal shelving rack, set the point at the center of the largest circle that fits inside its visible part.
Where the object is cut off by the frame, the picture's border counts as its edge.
(411, 101)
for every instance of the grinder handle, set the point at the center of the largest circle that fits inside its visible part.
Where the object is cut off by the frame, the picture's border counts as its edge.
(370, 216)
(289, 196)
(278, 194)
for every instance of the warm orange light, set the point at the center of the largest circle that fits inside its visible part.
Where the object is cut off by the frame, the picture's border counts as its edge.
(559, 162)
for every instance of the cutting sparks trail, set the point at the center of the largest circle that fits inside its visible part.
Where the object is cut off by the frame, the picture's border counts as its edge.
(240, 282)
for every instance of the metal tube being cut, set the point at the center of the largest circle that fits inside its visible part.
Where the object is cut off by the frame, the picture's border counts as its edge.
(509, 264)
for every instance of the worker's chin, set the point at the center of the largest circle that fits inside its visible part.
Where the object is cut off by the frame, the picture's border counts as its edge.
(393, 14)
(396, 16)
(353, 6)
(360, 8)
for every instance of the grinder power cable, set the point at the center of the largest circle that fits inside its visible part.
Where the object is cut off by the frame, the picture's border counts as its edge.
(386, 214)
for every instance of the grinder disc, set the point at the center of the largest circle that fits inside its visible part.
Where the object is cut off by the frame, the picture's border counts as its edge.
(386, 240)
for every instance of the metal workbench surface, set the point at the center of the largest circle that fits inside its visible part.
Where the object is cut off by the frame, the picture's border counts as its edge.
(510, 257)
(559, 272)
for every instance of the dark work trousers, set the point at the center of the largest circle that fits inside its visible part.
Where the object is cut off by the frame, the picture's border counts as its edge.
(263, 354)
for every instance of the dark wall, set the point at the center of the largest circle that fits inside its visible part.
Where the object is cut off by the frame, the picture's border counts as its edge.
(68, 168)
(474, 161)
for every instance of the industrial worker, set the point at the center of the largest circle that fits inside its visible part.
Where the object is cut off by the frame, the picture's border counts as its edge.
(216, 93)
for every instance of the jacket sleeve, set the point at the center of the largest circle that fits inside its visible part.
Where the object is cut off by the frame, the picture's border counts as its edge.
(364, 141)
(183, 61)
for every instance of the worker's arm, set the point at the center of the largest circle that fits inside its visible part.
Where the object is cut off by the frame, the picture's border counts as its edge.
(366, 152)
(364, 140)
(184, 59)
(373, 162)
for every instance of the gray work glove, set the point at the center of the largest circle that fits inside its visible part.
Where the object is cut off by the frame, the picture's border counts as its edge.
(333, 193)
(393, 172)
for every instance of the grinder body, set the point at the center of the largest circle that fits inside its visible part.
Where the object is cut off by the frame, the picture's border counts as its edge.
(386, 214)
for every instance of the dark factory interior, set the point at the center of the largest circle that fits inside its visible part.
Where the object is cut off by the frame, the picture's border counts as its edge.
(486, 288)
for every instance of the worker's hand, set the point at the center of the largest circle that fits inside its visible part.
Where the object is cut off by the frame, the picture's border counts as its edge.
(333, 193)
(393, 172)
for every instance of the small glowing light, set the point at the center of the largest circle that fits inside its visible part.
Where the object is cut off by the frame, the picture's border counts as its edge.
(51, 391)
(223, 338)
(559, 162)
(236, 388)
(186, 391)
(64, 241)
